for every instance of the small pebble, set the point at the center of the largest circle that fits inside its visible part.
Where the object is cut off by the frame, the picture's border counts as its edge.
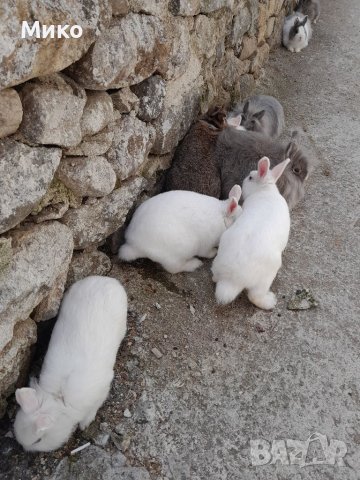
(192, 309)
(156, 352)
(157, 305)
(102, 439)
(9, 434)
(127, 413)
(165, 336)
(143, 318)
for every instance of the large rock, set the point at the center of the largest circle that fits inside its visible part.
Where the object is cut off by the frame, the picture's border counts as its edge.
(98, 113)
(14, 359)
(131, 145)
(41, 254)
(25, 174)
(153, 7)
(151, 93)
(187, 8)
(132, 49)
(10, 112)
(22, 59)
(93, 460)
(87, 263)
(53, 107)
(181, 106)
(87, 176)
(92, 224)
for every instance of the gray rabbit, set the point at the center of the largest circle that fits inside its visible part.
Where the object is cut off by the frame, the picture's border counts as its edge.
(311, 8)
(261, 113)
(239, 152)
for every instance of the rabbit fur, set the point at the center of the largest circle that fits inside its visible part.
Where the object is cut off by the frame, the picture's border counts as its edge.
(78, 367)
(253, 264)
(297, 32)
(239, 152)
(173, 228)
(261, 113)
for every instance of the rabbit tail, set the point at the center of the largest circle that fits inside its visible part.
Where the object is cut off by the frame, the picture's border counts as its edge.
(226, 291)
(128, 253)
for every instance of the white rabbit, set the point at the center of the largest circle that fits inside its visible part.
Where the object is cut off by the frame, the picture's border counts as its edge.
(174, 227)
(249, 254)
(297, 32)
(78, 367)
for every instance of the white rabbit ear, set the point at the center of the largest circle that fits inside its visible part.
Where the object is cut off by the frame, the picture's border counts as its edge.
(232, 206)
(277, 171)
(235, 192)
(235, 121)
(27, 399)
(43, 423)
(263, 167)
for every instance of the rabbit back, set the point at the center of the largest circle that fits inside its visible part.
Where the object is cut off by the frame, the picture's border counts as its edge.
(311, 8)
(86, 337)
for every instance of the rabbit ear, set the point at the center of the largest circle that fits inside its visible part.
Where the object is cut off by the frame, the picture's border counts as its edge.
(27, 399)
(263, 167)
(259, 115)
(246, 106)
(235, 192)
(232, 206)
(235, 121)
(277, 171)
(43, 422)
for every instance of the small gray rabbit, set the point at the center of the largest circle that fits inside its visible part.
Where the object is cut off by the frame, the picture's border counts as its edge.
(239, 152)
(297, 32)
(311, 8)
(261, 113)
(194, 166)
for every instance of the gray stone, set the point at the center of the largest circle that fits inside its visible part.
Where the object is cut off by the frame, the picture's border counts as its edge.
(179, 48)
(241, 24)
(84, 264)
(23, 182)
(92, 224)
(10, 112)
(131, 145)
(93, 460)
(181, 105)
(151, 93)
(87, 176)
(125, 100)
(132, 49)
(97, 144)
(98, 113)
(208, 6)
(14, 359)
(41, 253)
(53, 107)
(22, 59)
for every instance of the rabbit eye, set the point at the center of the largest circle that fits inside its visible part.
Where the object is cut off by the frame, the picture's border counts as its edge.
(296, 170)
(250, 178)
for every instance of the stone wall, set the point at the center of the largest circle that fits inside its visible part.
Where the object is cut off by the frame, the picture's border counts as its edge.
(86, 123)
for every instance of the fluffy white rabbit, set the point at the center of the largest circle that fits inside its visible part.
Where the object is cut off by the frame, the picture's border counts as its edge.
(249, 254)
(78, 367)
(174, 227)
(297, 32)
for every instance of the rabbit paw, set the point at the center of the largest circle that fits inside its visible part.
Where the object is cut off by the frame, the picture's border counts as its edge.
(266, 302)
(191, 265)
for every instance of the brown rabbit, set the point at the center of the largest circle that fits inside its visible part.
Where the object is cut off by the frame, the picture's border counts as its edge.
(194, 165)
